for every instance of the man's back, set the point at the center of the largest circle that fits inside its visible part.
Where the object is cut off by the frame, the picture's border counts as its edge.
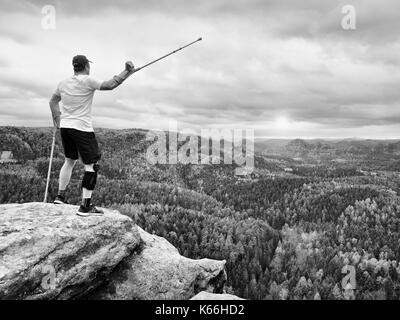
(76, 101)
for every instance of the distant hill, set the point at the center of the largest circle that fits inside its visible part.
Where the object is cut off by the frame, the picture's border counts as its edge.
(357, 148)
(299, 148)
(122, 147)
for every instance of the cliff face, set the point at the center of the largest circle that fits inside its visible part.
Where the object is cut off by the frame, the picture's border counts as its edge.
(48, 252)
(157, 271)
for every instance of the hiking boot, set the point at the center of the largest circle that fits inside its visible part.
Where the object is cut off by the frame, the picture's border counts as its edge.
(60, 200)
(89, 211)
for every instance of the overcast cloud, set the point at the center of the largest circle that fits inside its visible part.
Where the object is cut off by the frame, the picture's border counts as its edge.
(285, 68)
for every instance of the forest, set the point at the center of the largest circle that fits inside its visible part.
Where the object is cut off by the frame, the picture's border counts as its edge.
(286, 234)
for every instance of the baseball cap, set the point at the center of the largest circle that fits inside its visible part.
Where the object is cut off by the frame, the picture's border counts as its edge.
(79, 61)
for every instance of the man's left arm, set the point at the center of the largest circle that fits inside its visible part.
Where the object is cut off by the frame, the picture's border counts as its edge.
(55, 109)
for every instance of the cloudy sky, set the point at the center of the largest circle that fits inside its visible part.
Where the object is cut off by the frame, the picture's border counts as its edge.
(285, 68)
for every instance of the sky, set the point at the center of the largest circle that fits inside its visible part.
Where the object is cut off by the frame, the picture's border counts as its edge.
(287, 69)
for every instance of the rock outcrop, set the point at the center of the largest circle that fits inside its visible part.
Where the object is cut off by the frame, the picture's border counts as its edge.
(48, 252)
(158, 271)
(204, 295)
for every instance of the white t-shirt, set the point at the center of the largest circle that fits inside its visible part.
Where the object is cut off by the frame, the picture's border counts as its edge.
(76, 94)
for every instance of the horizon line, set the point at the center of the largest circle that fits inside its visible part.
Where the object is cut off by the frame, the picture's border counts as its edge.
(255, 137)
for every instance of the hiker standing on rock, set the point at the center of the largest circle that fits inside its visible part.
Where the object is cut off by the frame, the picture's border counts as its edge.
(75, 123)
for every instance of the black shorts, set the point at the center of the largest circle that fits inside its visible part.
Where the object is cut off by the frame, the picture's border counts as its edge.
(76, 142)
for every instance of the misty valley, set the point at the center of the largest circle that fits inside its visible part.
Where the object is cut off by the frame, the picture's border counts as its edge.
(310, 210)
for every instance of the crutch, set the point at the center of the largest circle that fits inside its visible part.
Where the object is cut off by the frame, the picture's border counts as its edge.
(50, 162)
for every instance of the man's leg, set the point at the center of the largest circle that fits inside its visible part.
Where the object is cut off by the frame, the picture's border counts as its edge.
(65, 174)
(65, 177)
(88, 184)
(90, 155)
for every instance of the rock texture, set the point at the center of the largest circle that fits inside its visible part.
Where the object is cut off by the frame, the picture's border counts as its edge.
(159, 272)
(48, 252)
(204, 295)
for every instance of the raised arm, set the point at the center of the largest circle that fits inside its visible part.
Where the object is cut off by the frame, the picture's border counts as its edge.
(117, 80)
(55, 109)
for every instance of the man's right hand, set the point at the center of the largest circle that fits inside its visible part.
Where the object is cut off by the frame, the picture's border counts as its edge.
(118, 79)
(129, 66)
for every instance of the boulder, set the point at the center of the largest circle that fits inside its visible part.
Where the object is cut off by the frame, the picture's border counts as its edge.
(48, 252)
(157, 272)
(204, 295)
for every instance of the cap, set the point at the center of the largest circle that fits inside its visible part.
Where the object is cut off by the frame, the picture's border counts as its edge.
(80, 61)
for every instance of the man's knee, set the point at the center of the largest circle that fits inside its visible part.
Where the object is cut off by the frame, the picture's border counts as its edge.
(89, 167)
(90, 176)
(70, 162)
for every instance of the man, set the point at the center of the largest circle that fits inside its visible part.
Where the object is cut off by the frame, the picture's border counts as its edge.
(75, 123)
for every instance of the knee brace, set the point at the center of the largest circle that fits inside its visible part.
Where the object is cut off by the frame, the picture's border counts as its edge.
(90, 178)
